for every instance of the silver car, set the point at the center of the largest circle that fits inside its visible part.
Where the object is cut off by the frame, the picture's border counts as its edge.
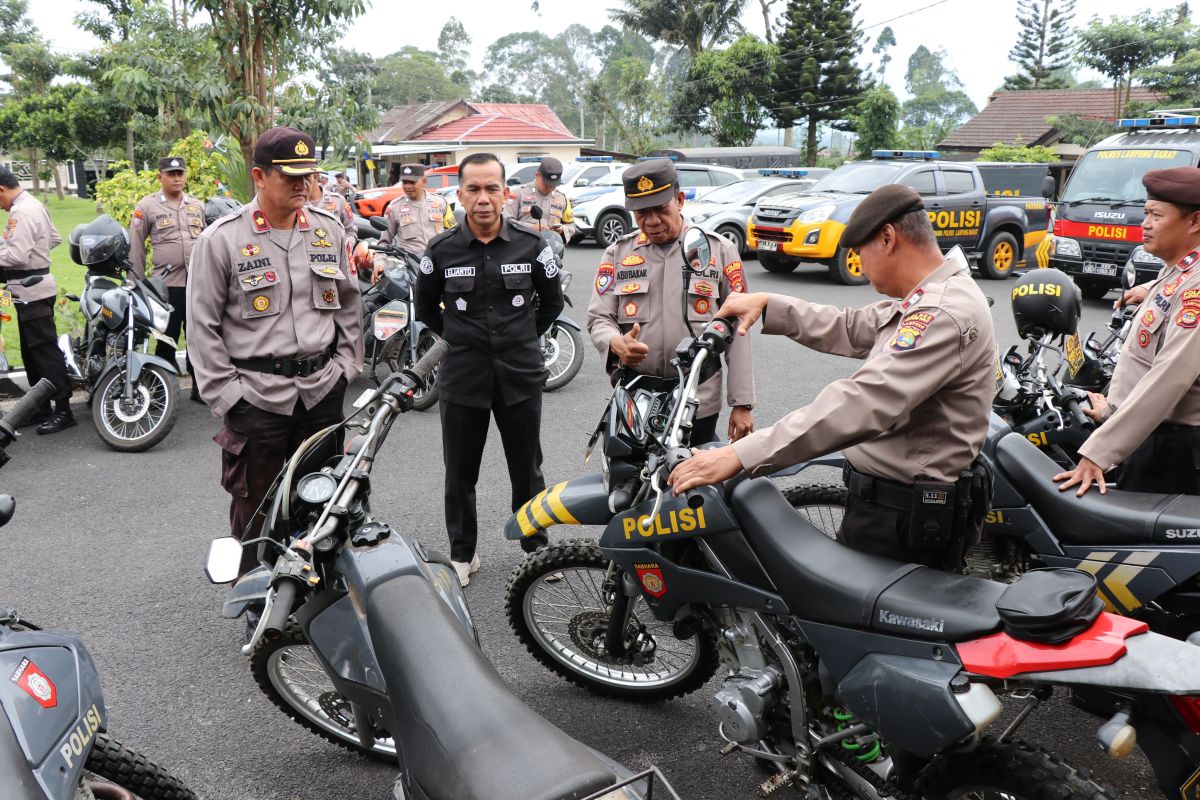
(726, 209)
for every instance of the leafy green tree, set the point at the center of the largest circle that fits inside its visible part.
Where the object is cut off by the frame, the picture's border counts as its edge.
(328, 113)
(694, 25)
(1037, 154)
(938, 103)
(1044, 46)
(15, 26)
(414, 76)
(816, 80)
(454, 45)
(1074, 129)
(1121, 47)
(878, 121)
(724, 90)
(885, 42)
(1179, 81)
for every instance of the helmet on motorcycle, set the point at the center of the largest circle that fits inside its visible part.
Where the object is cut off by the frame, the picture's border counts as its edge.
(1046, 301)
(101, 245)
(218, 207)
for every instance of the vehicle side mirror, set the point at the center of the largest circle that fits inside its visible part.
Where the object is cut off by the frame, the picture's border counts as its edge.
(224, 560)
(1129, 276)
(696, 250)
(583, 182)
(1048, 186)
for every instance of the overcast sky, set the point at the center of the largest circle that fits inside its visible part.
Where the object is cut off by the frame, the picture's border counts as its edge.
(976, 35)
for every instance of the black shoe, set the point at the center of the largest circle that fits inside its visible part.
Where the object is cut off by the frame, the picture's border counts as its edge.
(37, 419)
(58, 421)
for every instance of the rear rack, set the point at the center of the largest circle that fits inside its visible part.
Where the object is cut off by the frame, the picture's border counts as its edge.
(650, 776)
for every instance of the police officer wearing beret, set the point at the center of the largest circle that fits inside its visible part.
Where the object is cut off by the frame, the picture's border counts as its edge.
(636, 317)
(172, 220)
(1151, 419)
(544, 193)
(476, 289)
(918, 406)
(273, 325)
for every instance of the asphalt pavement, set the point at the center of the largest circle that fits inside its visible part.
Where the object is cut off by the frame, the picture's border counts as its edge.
(112, 546)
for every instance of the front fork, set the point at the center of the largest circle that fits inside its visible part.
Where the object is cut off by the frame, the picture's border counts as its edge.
(127, 387)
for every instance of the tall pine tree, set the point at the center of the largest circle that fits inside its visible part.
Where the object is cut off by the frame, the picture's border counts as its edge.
(1044, 46)
(816, 79)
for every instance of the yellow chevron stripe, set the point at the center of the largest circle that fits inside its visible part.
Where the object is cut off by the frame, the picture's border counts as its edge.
(544, 520)
(1093, 564)
(554, 500)
(1119, 578)
(528, 528)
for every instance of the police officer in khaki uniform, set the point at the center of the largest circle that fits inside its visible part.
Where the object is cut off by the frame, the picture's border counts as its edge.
(273, 324)
(320, 196)
(543, 192)
(917, 408)
(343, 187)
(25, 245)
(416, 218)
(1151, 419)
(172, 220)
(635, 317)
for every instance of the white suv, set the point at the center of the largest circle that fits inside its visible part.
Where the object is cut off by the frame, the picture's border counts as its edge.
(578, 174)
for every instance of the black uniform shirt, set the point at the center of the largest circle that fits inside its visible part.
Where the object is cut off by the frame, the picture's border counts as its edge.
(479, 298)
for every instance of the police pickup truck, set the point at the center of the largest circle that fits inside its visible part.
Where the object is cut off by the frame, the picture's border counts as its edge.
(995, 212)
(1097, 223)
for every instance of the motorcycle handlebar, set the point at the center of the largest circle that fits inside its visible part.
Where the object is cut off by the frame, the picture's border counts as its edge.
(29, 404)
(1081, 419)
(281, 608)
(433, 356)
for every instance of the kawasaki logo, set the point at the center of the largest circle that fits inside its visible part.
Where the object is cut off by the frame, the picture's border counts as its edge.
(1183, 533)
(891, 618)
(1109, 215)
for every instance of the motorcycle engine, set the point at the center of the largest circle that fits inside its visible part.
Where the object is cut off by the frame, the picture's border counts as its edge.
(94, 365)
(743, 702)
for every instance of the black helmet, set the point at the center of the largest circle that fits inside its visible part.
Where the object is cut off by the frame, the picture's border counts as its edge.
(218, 207)
(1046, 301)
(101, 245)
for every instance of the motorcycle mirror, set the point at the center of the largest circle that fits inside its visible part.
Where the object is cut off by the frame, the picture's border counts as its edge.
(31, 280)
(1048, 186)
(1129, 276)
(379, 223)
(696, 250)
(8, 507)
(224, 560)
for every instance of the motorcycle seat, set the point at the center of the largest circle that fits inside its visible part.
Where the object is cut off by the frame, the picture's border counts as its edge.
(825, 581)
(1116, 518)
(462, 732)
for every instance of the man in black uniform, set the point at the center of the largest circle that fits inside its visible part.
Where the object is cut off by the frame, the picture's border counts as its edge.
(476, 290)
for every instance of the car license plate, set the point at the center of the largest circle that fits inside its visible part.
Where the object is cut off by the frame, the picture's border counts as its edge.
(771, 246)
(1096, 268)
(1074, 353)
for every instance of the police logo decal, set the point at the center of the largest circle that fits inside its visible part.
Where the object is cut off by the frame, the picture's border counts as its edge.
(301, 148)
(644, 184)
(1144, 337)
(651, 578)
(426, 266)
(518, 301)
(1188, 318)
(329, 296)
(909, 333)
(702, 305)
(261, 303)
(548, 261)
(1148, 318)
(34, 682)
(737, 280)
(604, 278)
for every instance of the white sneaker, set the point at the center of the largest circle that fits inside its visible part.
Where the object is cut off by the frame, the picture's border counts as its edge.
(465, 570)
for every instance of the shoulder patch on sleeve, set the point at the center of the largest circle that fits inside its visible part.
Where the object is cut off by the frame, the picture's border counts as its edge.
(604, 277)
(737, 280)
(911, 329)
(1189, 317)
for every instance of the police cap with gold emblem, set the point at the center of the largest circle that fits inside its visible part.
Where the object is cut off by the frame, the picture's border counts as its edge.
(412, 172)
(885, 204)
(171, 164)
(290, 151)
(649, 184)
(1178, 185)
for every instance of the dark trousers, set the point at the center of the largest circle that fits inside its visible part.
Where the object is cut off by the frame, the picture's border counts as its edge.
(704, 430)
(39, 350)
(255, 444)
(464, 433)
(1168, 462)
(177, 297)
(876, 529)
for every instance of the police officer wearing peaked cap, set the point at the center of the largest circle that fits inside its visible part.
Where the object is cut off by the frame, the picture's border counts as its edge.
(414, 218)
(1151, 418)
(273, 323)
(918, 405)
(476, 289)
(544, 193)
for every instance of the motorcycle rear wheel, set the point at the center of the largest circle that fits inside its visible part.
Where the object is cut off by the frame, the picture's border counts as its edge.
(821, 504)
(291, 676)
(116, 763)
(395, 355)
(571, 600)
(563, 353)
(145, 423)
(1012, 770)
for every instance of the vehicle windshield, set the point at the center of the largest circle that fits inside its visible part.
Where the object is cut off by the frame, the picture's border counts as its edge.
(739, 193)
(862, 177)
(611, 179)
(569, 173)
(1116, 175)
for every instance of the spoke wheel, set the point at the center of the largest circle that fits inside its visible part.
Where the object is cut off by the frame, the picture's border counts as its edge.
(823, 505)
(1011, 770)
(142, 422)
(562, 349)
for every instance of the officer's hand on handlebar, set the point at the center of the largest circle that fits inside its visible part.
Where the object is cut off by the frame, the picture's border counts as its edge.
(376, 270)
(1099, 403)
(704, 468)
(746, 307)
(628, 349)
(1133, 297)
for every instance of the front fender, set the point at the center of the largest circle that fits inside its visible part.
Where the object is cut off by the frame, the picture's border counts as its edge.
(581, 501)
(563, 319)
(250, 588)
(137, 361)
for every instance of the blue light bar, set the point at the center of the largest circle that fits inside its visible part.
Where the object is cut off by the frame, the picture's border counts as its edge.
(923, 154)
(530, 159)
(783, 172)
(603, 159)
(650, 158)
(1159, 122)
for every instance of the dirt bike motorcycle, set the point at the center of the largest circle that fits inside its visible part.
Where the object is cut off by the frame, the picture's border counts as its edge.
(562, 343)
(365, 637)
(846, 674)
(54, 741)
(134, 394)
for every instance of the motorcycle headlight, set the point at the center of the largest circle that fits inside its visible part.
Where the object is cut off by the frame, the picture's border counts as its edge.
(818, 214)
(160, 315)
(1066, 247)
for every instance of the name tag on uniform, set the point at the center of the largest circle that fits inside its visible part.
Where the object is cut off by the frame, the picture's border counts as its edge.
(460, 272)
(516, 269)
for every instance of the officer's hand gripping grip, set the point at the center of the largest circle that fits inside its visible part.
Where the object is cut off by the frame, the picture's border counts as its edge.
(421, 370)
(718, 334)
(674, 458)
(26, 407)
(281, 608)
(1081, 419)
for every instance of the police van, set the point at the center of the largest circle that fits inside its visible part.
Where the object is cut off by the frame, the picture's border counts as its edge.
(997, 212)
(1097, 223)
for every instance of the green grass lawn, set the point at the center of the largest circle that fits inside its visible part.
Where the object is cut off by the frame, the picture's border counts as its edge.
(66, 214)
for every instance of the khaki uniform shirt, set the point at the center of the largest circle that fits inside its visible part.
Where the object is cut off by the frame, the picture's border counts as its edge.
(172, 229)
(336, 206)
(641, 282)
(25, 245)
(919, 406)
(1157, 378)
(556, 208)
(255, 292)
(412, 223)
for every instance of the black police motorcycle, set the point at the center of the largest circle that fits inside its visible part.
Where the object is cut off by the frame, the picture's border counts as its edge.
(134, 394)
(54, 741)
(381, 655)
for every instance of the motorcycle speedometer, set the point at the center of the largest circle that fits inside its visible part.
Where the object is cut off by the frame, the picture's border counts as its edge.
(316, 488)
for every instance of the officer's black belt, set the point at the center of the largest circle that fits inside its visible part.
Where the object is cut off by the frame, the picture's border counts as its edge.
(14, 274)
(287, 367)
(1171, 427)
(880, 491)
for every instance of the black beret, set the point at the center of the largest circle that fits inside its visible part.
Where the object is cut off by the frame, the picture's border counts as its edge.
(550, 169)
(291, 151)
(885, 204)
(1179, 185)
(171, 164)
(649, 184)
(412, 172)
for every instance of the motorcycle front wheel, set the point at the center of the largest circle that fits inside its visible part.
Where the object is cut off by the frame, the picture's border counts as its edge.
(1011, 770)
(114, 762)
(556, 604)
(395, 354)
(562, 349)
(145, 421)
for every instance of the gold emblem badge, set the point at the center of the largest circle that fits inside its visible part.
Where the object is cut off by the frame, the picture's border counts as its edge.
(320, 233)
(251, 250)
(301, 148)
(328, 271)
(322, 243)
(631, 309)
(261, 303)
(329, 296)
(644, 184)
